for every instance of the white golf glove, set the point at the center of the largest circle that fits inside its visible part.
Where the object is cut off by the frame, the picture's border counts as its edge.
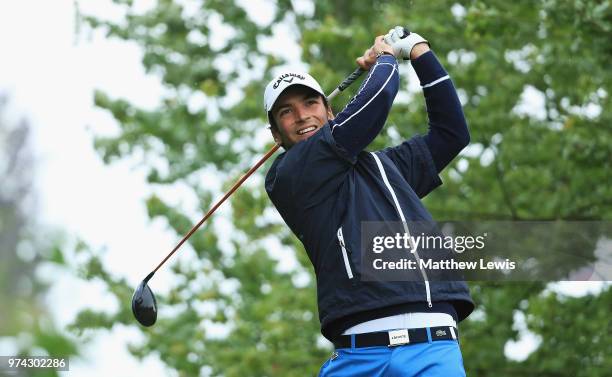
(403, 41)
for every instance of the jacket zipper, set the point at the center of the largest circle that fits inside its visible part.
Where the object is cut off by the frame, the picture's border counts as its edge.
(347, 263)
(401, 215)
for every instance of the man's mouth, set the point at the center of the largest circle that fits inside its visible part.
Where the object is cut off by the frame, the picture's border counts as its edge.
(306, 130)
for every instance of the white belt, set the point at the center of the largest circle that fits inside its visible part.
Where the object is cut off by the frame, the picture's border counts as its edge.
(403, 321)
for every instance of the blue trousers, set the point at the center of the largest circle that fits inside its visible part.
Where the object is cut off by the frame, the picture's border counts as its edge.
(440, 358)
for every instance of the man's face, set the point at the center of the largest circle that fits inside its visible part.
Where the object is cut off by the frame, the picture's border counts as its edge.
(299, 112)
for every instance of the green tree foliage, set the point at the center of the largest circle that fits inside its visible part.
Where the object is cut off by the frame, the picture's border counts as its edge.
(551, 162)
(25, 322)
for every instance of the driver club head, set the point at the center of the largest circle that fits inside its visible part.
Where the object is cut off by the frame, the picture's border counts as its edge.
(144, 305)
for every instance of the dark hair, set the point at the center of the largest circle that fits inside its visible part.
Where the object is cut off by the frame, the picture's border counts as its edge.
(272, 122)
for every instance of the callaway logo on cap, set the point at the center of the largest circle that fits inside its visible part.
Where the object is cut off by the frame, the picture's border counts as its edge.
(281, 82)
(287, 77)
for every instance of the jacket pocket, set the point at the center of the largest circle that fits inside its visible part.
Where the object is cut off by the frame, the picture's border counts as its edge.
(345, 257)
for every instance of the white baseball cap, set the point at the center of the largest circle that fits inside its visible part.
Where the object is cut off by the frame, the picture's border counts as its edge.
(285, 80)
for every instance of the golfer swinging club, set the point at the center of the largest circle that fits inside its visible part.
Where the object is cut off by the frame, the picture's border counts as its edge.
(325, 184)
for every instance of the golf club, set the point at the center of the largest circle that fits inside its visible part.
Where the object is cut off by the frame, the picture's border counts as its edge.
(144, 305)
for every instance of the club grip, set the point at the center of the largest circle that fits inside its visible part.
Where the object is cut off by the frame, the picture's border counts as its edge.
(350, 79)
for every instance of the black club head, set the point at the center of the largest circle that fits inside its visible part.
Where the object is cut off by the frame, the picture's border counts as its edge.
(144, 305)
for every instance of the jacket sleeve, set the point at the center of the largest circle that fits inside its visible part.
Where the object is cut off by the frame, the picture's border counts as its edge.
(421, 158)
(364, 116)
(448, 131)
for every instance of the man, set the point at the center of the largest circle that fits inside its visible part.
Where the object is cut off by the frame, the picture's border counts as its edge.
(325, 185)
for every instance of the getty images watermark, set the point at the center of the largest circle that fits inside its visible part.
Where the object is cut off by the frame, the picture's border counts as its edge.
(424, 242)
(484, 251)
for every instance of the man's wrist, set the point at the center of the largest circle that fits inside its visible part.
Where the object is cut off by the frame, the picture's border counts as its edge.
(428, 68)
(384, 52)
(418, 50)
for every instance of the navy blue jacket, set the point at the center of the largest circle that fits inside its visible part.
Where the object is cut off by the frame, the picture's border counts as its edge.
(325, 186)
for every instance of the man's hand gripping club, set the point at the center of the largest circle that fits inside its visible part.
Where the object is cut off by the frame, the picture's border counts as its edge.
(406, 45)
(398, 42)
(370, 55)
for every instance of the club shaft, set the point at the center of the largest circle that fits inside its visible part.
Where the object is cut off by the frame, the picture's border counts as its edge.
(214, 208)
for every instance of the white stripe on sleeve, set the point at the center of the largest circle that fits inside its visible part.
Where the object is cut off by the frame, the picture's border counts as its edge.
(436, 82)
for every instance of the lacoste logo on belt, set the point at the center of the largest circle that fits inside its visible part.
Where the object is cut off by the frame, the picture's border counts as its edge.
(440, 333)
(287, 77)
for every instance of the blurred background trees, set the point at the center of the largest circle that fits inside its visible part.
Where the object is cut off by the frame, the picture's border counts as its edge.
(533, 79)
(25, 320)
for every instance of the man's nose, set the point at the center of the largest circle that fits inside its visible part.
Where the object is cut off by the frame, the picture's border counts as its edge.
(300, 113)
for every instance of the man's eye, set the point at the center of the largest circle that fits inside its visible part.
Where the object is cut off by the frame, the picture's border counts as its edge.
(283, 112)
(312, 101)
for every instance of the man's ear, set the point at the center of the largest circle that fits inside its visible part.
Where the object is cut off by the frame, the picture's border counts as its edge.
(330, 113)
(276, 135)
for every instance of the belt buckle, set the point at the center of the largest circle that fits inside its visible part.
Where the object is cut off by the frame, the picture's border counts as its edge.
(398, 337)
